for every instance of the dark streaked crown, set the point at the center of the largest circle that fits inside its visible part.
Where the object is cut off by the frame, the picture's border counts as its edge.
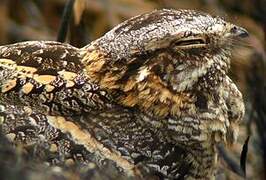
(177, 46)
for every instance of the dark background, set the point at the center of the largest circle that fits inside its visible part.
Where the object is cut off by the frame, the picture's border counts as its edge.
(22, 20)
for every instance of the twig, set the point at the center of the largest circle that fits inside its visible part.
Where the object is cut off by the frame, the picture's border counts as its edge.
(65, 21)
(233, 165)
(243, 157)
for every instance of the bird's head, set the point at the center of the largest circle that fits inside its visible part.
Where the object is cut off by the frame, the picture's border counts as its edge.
(157, 57)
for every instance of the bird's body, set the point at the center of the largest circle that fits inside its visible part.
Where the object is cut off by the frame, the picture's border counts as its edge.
(151, 95)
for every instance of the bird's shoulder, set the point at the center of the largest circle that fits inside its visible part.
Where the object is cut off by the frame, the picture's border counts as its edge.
(42, 55)
(48, 75)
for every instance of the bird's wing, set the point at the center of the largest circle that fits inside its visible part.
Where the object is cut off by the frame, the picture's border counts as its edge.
(44, 92)
(46, 56)
(47, 76)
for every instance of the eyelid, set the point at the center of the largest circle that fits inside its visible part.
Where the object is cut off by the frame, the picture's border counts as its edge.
(191, 42)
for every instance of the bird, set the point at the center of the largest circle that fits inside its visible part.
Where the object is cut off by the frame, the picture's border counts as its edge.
(152, 95)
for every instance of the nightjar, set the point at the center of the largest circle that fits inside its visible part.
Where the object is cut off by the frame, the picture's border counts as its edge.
(150, 96)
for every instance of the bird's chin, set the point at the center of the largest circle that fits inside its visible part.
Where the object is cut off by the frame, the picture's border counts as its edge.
(232, 133)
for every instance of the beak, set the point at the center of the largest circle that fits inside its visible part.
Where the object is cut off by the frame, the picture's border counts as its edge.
(239, 32)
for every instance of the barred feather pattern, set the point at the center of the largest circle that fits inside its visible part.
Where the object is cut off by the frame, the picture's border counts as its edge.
(150, 96)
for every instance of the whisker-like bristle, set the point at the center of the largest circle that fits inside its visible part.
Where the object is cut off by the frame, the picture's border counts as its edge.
(240, 43)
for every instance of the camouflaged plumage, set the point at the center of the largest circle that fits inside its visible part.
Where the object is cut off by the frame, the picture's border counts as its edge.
(151, 95)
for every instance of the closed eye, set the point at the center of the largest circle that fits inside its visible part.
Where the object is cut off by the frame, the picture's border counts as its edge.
(190, 43)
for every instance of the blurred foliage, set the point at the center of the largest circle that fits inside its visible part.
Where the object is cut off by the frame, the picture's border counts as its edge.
(40, 20)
